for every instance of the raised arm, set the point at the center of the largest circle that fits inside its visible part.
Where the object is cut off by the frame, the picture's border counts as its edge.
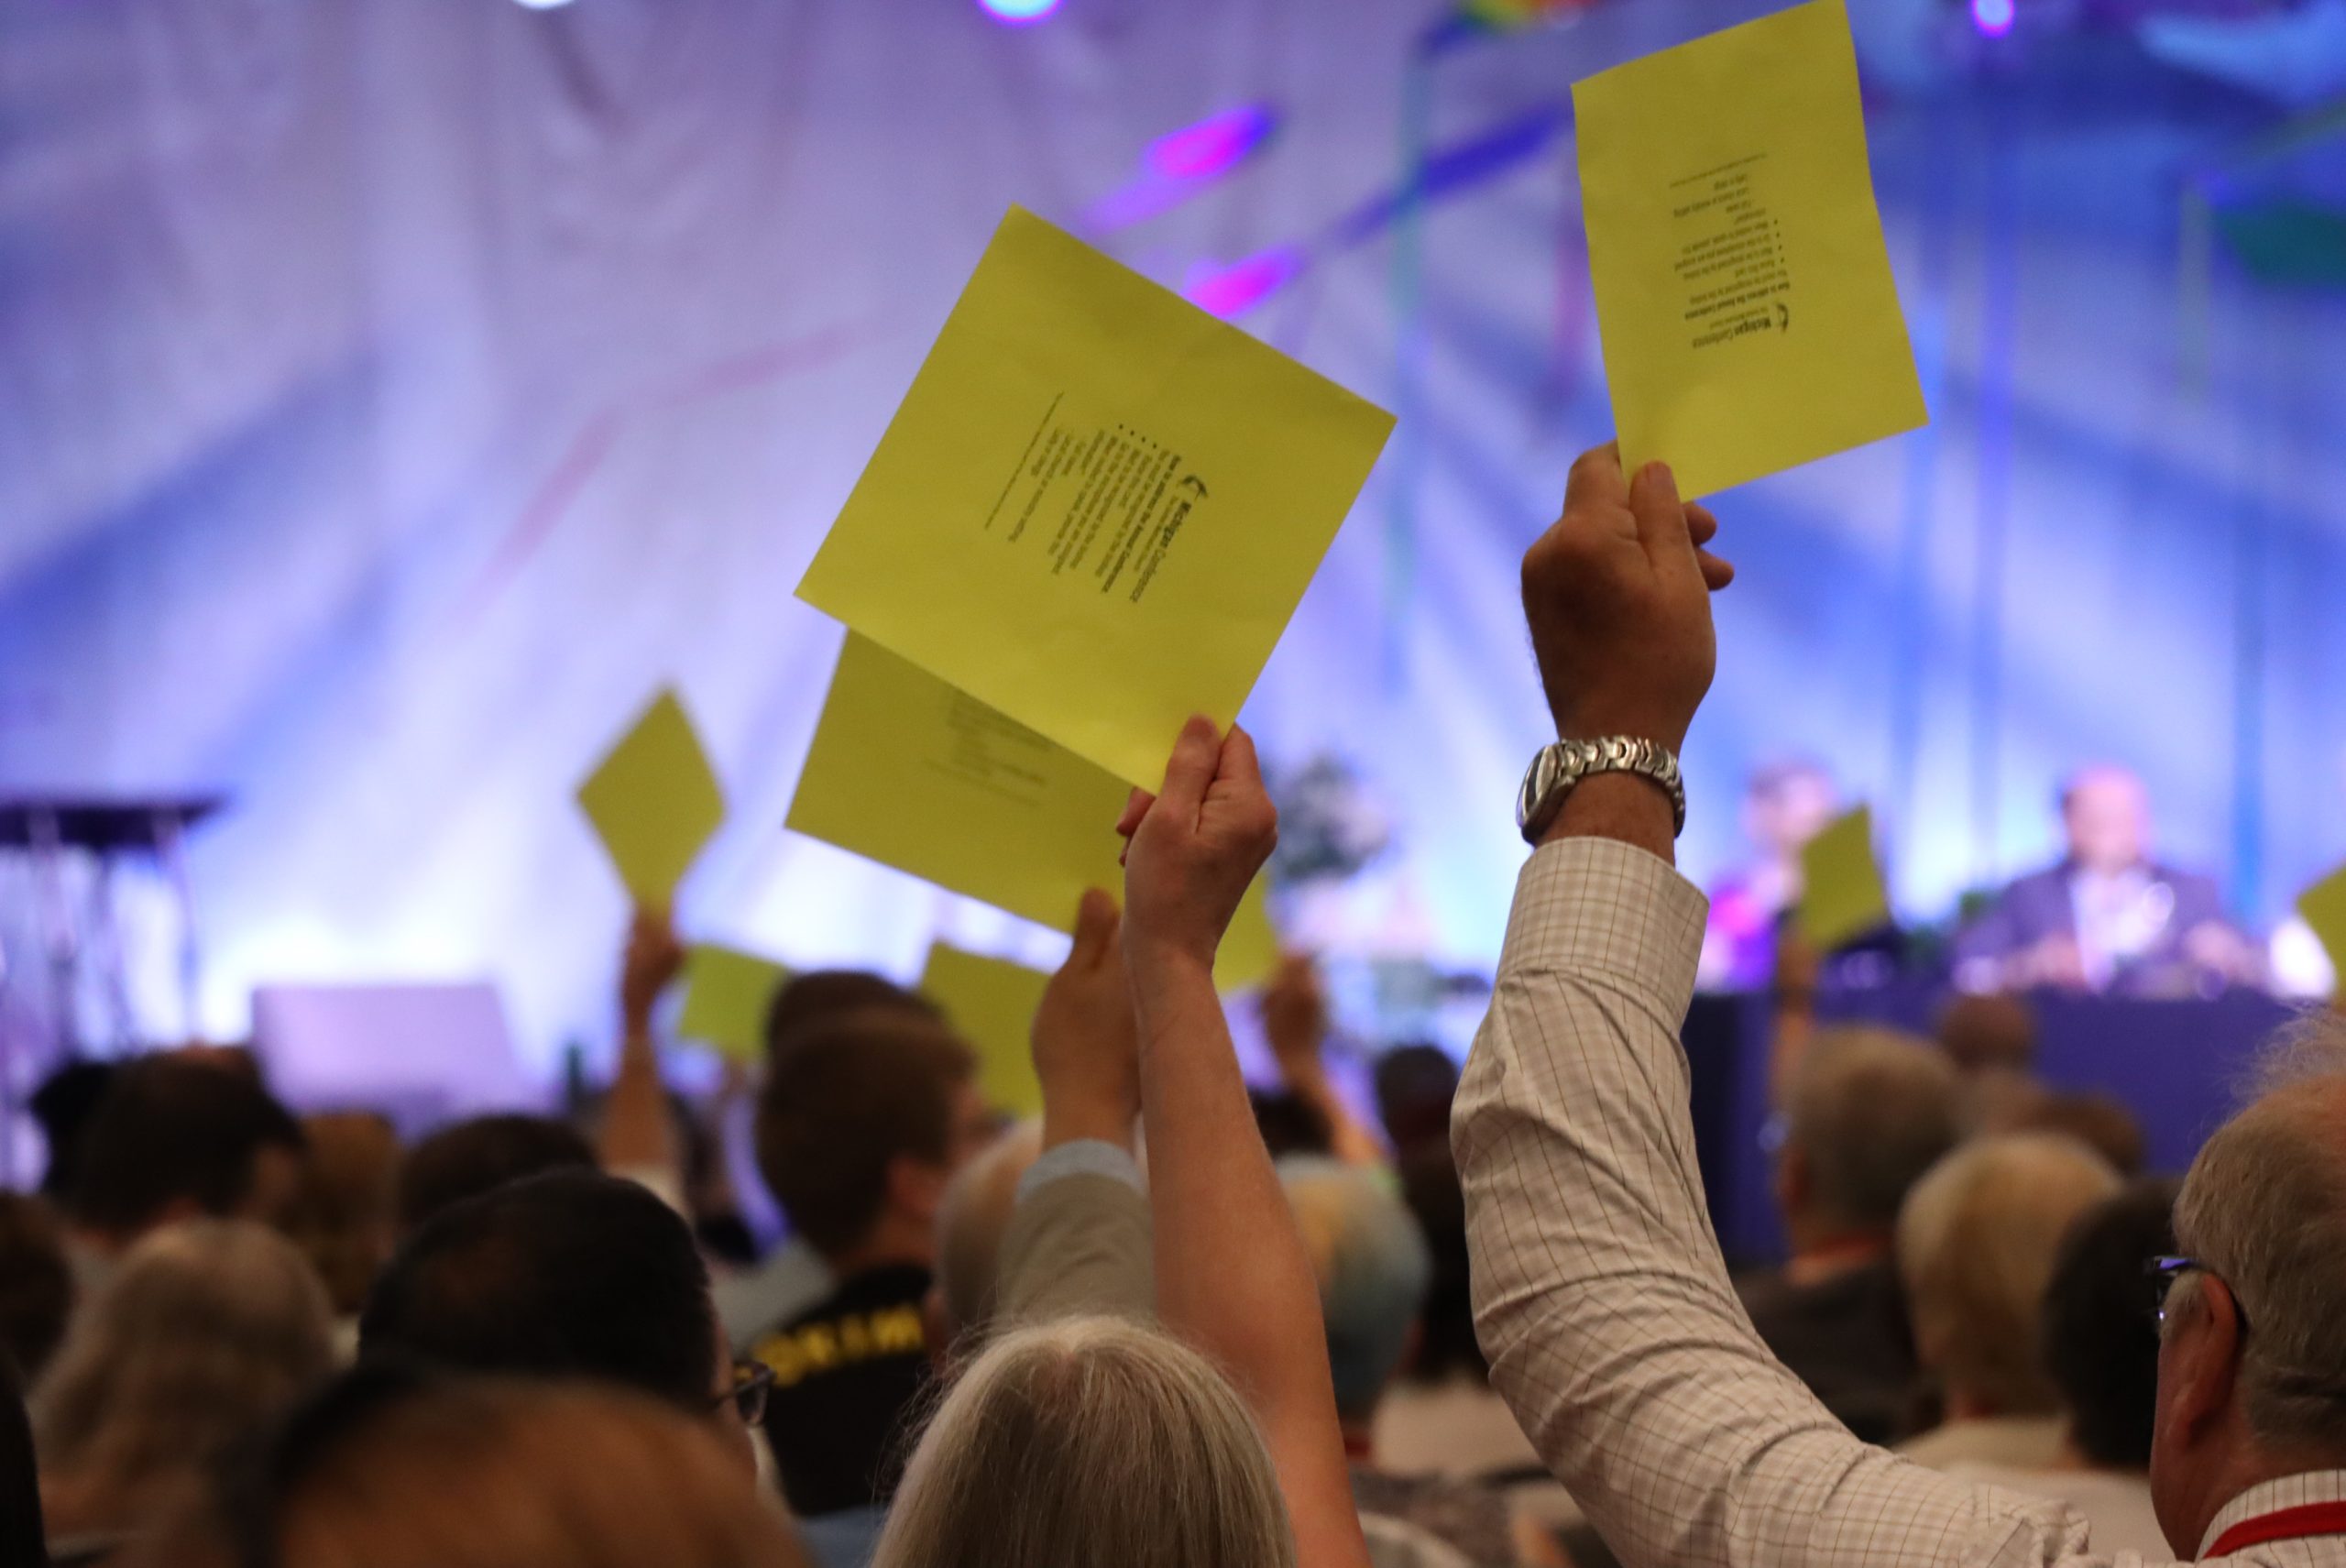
(637, 1139)
(1232, 1276)
(1600, 1293)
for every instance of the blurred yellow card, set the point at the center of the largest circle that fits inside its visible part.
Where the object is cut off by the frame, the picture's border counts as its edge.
(1097, 506)
(1743, 289)
(915, 775)
(1842, 897)
(727, 993)
(2324, 907)
(1250, 948)
(654, 801)
(992, 1002)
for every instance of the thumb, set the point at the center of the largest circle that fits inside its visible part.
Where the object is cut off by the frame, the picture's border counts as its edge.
(1238, 764)
(1190, 771)
(1662, 527)
(1095, 929)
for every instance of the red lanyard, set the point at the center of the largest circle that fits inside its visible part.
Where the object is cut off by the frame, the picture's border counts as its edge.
(2289, 1524)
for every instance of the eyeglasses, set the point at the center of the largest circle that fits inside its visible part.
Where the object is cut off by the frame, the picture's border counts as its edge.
(752, 1381)
(2164, 1271)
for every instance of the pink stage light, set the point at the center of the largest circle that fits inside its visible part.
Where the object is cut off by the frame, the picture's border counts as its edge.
(1993, 17)
(1229, 291)
(1214, 144)
(1018, 13)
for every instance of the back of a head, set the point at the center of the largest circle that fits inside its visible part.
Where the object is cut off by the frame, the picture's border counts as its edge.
(1372, 1268)
(341, 1216)
(2264, 1209)
(2101, 1122)
(1870, 1111)
(1415, 1086)
(1090, 1440)
(573, 1274)
(820, 996)
(174, 1133)
(35, 1283)
(63, 1105)
(970, 1225)
(1976, 1247)
(852, 1096)
(206, 1330)
(471, 1158)
(2101, 1344)
(384, 1472)
(1993, 1030)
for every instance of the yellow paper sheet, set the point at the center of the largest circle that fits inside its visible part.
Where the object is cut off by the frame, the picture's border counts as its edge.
(919, 776)
(1842, 897)
(992, 1002)
(654, 801)
(2324, 907)
(1743, 289)
(727, 993)
(1097, 506)
(1250, 948)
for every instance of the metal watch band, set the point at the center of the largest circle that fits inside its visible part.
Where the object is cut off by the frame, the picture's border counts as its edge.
(1558, 768)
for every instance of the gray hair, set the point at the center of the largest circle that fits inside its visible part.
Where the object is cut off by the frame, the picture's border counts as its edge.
(1090, 1439)
(1870, 1110)
(1976, 1244)
(2264, 1209)
(1373, 1267)
(207, 1330)
(972, 1222)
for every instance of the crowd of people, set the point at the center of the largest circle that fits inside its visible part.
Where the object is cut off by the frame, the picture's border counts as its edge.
(1475, 1320)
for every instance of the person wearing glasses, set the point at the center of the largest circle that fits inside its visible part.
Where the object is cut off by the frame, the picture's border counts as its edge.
(572, 1274)
(1613, 1329)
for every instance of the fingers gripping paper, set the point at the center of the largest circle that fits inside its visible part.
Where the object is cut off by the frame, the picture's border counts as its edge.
(992, 1002)
(1743, 291)
(1842, 897)
(654, 801)
(1097, 506)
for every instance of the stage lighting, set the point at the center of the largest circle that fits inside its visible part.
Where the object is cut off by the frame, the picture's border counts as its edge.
(1993, 17)
(1017, 13)
(540, 5)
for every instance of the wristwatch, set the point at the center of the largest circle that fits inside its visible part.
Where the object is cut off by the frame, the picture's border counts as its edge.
(1558, 768)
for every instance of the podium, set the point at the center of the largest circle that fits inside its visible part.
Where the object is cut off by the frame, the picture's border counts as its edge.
(79, 939)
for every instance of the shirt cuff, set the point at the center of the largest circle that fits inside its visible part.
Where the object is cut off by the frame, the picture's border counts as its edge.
(1084, 1156)
(1603, 907)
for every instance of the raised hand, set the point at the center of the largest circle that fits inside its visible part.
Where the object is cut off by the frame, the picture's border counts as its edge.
(1618, 595)
(1086, 1039)
(1195, 845)
(654, 958)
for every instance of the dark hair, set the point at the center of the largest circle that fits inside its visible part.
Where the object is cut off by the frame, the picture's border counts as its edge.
(63, 1105)
(1414, 1085)
(1290, 1124)
(825, 994)
(171, 1130)
(1430, 1187)
(569, 1273)
(1993, 1030)
(474, 1156)
(22, 1540)
(35, 1283)
(2101, 1337)
(847, 1099)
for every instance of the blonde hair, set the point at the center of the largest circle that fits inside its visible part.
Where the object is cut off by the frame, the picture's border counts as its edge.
(1977, 1244)
(342, 1215)
(486, 1473)
(1090, 1440)
(207, 1330)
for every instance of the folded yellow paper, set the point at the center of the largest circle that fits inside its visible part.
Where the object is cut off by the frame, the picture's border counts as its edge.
(916, 776)
(1743, 289)
(727, 993)
(1842, 897)
(992, 1002)
(2324, 907)
(654, 801)
(1097, 506)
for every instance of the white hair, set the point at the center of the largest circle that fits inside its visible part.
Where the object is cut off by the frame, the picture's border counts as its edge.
(972, 1222)
(1977, 1243)
(1090, 1439)
(2264, 1209)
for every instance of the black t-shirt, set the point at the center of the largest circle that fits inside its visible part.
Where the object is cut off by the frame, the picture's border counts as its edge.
(849, 1372)
(1847, 1337)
